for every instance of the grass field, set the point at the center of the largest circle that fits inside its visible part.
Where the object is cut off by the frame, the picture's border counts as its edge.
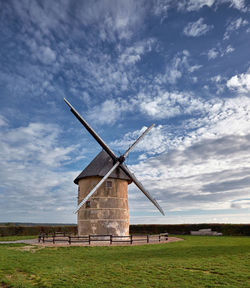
(195, 262)
(14, 238)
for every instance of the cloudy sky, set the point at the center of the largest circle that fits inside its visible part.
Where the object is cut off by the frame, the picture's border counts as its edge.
(183, 65)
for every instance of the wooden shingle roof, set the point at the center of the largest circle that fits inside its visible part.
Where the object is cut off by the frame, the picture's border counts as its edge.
(100, 166)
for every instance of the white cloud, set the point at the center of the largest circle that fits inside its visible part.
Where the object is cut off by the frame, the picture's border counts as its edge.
(34, 143)
(194, 68)
(196, 29)
(46, 17)
(216, 78)
(234, 26)
(239, 4)
(47, 55)
(104, 72)
(166, 104)
(194, 5)
(3, 121)
(175, 69)
(109, 111)
(240, 83)
(219, 83)
(161, 7)
(207, 166)
(229, 49)
(221, 115)
(187, 218)
(86, 98)
(179, 66)
(33, 182)
(40, 52)
(215, 116)
(219, 52)
(134, 53)
(212, 54)
(158, 104)
(109, 21)
(241, 204)
(156, 141)
(114, 20)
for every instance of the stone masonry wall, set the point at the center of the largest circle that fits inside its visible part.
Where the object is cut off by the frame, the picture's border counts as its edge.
(107, 211)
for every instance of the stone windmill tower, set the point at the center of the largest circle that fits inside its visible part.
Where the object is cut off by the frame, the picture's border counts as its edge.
(103, 190)
(105, 212)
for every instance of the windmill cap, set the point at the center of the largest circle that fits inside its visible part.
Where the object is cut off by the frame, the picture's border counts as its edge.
(100, 166)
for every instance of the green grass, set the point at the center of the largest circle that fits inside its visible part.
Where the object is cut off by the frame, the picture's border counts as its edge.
(195, 262)
(14, 238)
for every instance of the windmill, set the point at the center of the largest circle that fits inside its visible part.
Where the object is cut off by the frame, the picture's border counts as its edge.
(103, 189)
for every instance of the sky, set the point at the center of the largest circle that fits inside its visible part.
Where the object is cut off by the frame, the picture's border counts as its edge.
(124, 65)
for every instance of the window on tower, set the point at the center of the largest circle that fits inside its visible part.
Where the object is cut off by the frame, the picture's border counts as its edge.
(108, 184)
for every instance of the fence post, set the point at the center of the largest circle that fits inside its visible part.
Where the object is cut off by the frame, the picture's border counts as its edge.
(53, 239)
(159, 238)
(131, 239)
(69, 240)
(89, 239)
(110, 239)
(147, 239)
(43, 238)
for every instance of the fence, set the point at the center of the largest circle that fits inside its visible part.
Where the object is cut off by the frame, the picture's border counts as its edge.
(109, 239)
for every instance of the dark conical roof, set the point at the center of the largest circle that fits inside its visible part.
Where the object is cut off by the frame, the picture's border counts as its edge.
(100, 166)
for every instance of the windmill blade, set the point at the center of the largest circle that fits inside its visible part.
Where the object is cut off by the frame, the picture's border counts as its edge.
(140, 186)
(91, 131)
(97, 186)
(138, 140)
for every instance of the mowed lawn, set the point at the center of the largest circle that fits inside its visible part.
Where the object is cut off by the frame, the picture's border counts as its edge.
(14, 238)
(195, 262)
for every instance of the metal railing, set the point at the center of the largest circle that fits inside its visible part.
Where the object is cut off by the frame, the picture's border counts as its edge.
(130, 239)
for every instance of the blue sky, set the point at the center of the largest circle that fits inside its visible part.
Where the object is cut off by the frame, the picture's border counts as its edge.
(183, 65)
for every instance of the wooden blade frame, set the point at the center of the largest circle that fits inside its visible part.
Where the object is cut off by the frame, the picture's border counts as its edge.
(119, 161)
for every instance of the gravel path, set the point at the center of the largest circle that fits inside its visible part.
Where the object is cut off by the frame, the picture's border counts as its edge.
(25, 241)
(104, 243)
